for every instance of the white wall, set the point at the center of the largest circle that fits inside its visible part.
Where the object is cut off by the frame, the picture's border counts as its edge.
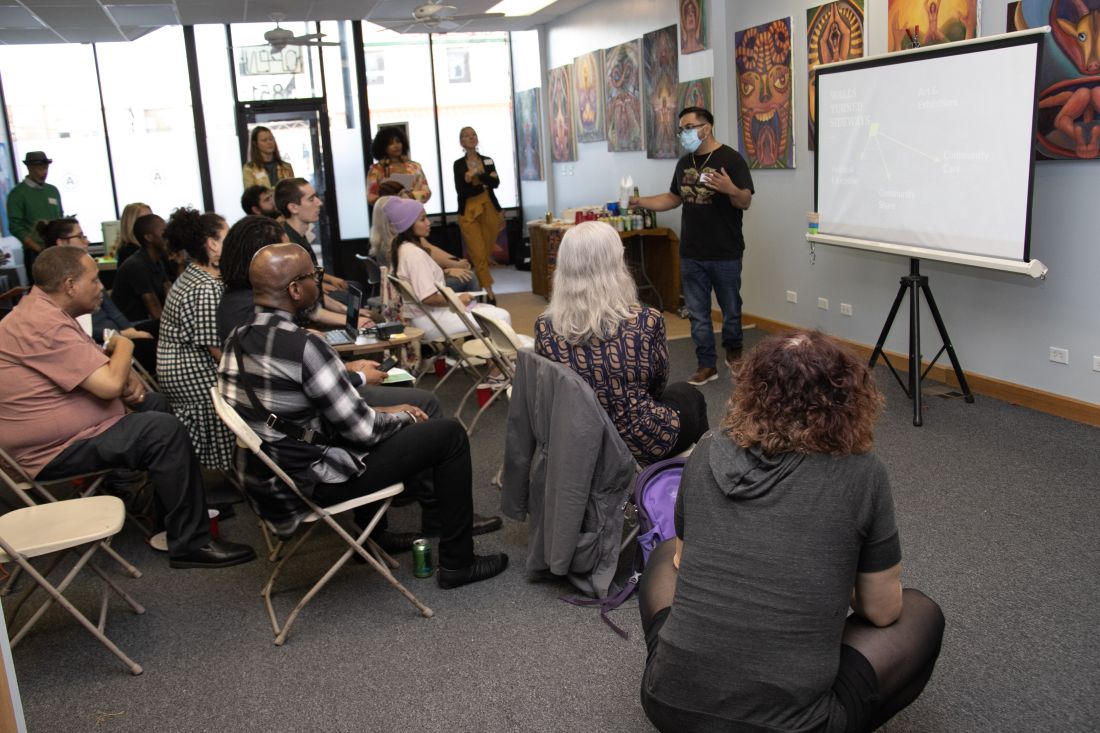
(1001, 325)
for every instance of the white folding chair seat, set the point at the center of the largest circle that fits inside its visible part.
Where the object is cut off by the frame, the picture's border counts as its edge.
(56, 527)
(446, 343)
(375, 557)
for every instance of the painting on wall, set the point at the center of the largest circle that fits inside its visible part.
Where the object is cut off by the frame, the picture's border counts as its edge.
(695, 93)
(693, 26)
(764, 95)
(622, 97)
(529, 135)
(913, 23)
(660, 78)
(834, 32)
(1069, 84)
(588, 97)
(563, 143)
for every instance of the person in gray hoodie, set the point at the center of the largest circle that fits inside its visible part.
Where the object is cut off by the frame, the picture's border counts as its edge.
(784, 520)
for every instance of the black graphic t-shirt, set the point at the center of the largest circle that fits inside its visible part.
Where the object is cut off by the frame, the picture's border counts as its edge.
(710, 226)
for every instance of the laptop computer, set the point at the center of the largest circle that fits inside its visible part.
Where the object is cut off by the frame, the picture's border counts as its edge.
(350, 332)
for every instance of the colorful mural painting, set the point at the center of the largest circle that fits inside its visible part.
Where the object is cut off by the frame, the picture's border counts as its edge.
(834, 32)
(764, 75)
(661, 67)
(622, 90)
(588, 97)
(529, 135)
(912, 23)
(563, 143)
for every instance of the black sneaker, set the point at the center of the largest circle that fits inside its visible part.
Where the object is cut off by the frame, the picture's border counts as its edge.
(483, 568)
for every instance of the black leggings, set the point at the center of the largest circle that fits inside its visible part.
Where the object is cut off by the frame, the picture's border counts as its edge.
(692, 407)
(901, 655)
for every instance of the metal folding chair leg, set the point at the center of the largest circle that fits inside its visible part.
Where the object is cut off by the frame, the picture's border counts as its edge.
(56, 595)
(355, 545)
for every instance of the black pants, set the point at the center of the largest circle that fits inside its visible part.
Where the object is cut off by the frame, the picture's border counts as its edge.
(151, 440)
(692, 406)
(440, 446)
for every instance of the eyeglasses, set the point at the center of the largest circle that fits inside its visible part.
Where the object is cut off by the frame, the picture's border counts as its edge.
(78, 235)
(318, 274)
(685, 128)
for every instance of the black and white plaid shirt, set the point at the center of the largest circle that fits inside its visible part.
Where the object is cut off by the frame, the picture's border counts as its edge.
(298, 377)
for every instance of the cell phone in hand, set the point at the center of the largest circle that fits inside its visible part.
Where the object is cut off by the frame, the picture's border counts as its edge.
(388, 364)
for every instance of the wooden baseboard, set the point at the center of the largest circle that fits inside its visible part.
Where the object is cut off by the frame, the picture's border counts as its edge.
(1035, 399)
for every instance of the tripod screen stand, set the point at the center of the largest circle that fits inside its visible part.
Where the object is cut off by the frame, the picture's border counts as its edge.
(914, 284)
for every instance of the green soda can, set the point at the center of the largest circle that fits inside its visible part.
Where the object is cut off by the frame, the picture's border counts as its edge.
(422, 558)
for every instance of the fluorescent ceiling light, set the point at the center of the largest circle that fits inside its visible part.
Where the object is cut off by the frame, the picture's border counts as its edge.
(519, 7)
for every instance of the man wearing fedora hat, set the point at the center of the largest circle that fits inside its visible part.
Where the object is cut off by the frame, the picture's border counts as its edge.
(31, 201)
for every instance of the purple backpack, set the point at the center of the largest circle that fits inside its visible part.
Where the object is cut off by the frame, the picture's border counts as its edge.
(654, 496)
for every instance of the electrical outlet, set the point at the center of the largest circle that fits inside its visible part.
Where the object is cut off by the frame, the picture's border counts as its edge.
(845, 309)
(792, 296)
(1096, 363)
(823, 303)
(1059, 355)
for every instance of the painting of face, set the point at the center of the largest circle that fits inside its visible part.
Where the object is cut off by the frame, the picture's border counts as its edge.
(529, 135)
(764, 76)
(834, 32)
(588, 97)
(914, 23)
(563, 144)
(622, 94)
(693, 26)
(661, 78)
(695, 93)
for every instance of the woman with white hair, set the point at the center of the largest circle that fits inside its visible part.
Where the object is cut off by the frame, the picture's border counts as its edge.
(407, 256)
(596, 326)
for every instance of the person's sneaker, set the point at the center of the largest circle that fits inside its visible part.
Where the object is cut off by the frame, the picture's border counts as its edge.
(483, 568)
(733, 356)
(703, 375)
(495, 381)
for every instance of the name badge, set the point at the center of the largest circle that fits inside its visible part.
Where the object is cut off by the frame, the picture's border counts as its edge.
(52, 201)
(489, 161)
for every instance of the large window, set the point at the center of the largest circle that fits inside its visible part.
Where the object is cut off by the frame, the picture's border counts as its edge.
(53, 103)
(402, 95)
(265, 73)
(473, 88)
(150, 123)
(218, 105)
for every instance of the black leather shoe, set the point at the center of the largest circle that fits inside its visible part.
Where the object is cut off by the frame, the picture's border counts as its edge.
(393, 542)
(483, 568)
(215, 554)
(479, 525)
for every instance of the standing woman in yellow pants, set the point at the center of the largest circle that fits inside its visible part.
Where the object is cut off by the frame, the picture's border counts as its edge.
(479, 217)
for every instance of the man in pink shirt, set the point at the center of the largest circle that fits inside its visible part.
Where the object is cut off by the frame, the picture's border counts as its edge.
(63, 407)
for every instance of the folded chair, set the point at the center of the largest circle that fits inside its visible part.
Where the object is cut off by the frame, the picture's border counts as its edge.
(445, 343)
(55, 527)
(376, 557)
(21, 484)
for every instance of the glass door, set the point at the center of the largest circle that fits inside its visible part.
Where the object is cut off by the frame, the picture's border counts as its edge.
(301, 130)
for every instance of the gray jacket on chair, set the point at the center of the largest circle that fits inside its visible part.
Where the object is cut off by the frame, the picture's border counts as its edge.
(566, 466)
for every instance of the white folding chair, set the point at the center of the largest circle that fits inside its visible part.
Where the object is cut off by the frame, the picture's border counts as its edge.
(376, 557)
(55, 527)
(445, 342)
(21, 484)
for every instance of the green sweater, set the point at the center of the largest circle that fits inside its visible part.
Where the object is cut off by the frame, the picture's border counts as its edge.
(29, 204)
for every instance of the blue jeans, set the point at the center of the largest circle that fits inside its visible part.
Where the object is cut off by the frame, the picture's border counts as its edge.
(698, 278)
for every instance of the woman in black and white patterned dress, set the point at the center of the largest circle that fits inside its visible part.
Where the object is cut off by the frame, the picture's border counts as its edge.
(189, 349)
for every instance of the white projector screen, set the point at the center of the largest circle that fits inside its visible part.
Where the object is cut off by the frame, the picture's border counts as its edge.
(931, 149)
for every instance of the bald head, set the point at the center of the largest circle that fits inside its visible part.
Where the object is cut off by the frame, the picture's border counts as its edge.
(282, 277)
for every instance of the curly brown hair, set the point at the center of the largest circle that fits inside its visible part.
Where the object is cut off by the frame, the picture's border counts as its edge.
(803, 392)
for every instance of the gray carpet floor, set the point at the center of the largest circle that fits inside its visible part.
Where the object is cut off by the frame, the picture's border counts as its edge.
(998, 511)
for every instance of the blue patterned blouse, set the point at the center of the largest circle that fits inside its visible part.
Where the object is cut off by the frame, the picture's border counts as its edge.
(628, 372)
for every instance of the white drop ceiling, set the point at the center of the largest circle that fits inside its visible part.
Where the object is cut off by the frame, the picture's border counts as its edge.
(100, 21)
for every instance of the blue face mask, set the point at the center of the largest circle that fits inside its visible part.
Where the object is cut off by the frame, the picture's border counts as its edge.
(690, 141)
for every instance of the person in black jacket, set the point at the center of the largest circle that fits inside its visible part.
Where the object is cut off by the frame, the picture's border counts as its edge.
(479, 216)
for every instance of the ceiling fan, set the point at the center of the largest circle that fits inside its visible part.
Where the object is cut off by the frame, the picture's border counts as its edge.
(280, 38)
(435, 17)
